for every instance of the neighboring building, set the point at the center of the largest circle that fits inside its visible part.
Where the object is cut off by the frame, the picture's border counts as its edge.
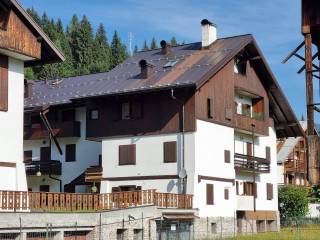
(292, 159)
(199, 118)
(22, 43)
(48, 170)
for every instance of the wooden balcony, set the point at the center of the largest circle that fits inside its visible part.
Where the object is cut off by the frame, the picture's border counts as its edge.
(93, 174)
(251, 164)
(244, 123)
(52, 167)
(60, 129)
(295, 166)
(75, 202)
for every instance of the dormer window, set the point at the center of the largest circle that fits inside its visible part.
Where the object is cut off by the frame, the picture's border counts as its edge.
(240, 65)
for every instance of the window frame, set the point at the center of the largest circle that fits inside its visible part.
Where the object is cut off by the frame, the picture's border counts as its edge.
(131, 149)
(90, 114)
(69, 147)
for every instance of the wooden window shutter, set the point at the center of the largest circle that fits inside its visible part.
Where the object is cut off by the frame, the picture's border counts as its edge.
(229, 114)
(268, 153)
(209, 108)
(237, 187)
(45, 154)
(210, 194)
(226, 156)
(249, 149)
(136, 110)
(170, 152)
(255, 190)
(127, 154)
(3, 83)
(269, 191)
(226, 194)
(70, 152)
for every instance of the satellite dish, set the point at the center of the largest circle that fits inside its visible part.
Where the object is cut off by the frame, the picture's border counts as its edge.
(182, 173)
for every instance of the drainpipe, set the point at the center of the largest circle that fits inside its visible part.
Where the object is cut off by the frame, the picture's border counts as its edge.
(254, 171)
(183, 130)
(56, 179)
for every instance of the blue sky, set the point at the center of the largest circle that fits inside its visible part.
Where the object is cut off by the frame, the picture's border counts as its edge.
(274, 23)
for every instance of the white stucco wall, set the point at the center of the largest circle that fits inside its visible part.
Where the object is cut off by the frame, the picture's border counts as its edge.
(87, 154)
(262, 178)
(149, 162)
(210, 142)
(280, 172)
(11, 131)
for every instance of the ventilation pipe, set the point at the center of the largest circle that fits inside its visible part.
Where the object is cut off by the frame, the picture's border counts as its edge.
(146, 69)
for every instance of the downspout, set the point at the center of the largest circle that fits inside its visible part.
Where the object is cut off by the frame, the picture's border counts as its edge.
(183, 137)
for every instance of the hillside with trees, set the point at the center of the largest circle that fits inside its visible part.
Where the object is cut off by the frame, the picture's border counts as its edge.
(86, 51)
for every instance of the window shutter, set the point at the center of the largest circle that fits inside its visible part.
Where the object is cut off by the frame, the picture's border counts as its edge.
(226, 194)
(170, 152)
(269, 191)
(127, 154)
(210, 196)
(255, 190)
(3, 83)
(237, 187)
(209, 108)
(268, 153)
(226, 156)
(136, 110)
(249, 149)
(70, 152)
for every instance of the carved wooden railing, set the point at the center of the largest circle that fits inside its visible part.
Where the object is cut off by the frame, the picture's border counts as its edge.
(81, 202)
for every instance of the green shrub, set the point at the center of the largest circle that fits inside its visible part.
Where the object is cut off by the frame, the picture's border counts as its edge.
(293, 202)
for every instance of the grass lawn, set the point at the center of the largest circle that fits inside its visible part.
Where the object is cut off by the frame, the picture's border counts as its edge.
(305, 233)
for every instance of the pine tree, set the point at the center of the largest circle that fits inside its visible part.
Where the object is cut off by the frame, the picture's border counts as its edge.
(33, 13)
(173, 41)
(153, 44)
(118, 50)
(136, 49)
(145, 46)
(101, 51)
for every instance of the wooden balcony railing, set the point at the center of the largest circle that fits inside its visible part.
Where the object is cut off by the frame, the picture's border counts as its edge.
(295, 166)
(93, 174)
(75, 202)
(45, 167)
(60, 129)
(250, 163)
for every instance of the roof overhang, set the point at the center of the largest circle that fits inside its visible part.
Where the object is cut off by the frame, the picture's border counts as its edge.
(49, 52)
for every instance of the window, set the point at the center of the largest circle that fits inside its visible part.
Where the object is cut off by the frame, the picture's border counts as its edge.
(214, 229)
(45, 154)
(121, 234)
(127, 154)
(269, 191)
(68, 115)
(3, 83)
(27, 156)
(226, 194)
(237, 187)
(70, 152)
(250, 189)
(210, 194)
(94, 114)
(170, 152)
(246, 110)
(268, 153)
(125, 111)
(226, 156)
(131, 110)
(240, 66)
(137, 234)
(209, 108)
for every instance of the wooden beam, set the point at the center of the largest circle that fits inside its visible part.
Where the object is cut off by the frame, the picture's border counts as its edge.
(304, 66)
(293, 52)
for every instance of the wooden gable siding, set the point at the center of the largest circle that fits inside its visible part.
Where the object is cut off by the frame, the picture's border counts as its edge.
(161, 114)
(18, 38)
(220, 88)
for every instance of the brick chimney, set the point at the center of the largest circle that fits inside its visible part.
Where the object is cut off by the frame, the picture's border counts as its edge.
(28, 87)
(209, 33)
(147, 69)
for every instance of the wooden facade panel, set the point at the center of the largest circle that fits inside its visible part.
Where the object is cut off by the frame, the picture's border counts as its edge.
(18, 38)
(161, 114)
(220, 91)
(3, 83)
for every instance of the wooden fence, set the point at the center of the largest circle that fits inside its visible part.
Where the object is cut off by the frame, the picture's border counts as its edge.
(81, 202)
